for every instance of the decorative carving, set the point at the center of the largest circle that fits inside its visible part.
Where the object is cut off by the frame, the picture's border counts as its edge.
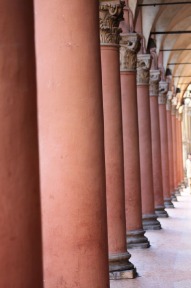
(168, 105)
(177, 114)
(143, 66)
(110, 15)
(154, 82)
(173, 109)
(169, 95)
(129, 46)
(174, 101)
(163, 89)
(168, 102)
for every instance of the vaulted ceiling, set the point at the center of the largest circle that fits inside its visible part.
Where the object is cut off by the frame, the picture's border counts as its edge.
(161, 22)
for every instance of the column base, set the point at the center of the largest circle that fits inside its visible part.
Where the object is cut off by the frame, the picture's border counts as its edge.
(183, 184)
(180, 188)
(136, 239)
(160, 212)
(120, 267)
(177, 192)
(150, 222)
(173, 198)
(168, 203)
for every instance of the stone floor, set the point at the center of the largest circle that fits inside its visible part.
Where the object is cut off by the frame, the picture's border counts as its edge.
(167, 263)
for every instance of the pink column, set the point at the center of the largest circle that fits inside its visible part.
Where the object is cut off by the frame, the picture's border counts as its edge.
(178, 149)
(119, 264)
(20, 223)
(144, 121)
(173, 115)
(177, 154)
(71, 144)
(181, 151)
(156, 144)
(163, 88)
(170, 149)
(128, 60)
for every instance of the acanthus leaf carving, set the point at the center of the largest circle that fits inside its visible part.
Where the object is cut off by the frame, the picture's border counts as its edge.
(143, 67)
(110, 16)
(154, 82)
(168, 101)
(173, 109)
(129, 47)
(163, 89)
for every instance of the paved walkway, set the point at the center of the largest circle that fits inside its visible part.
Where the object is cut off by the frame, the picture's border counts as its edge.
(167, 263)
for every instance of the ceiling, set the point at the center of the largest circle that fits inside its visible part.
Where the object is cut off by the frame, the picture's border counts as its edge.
(162, 21)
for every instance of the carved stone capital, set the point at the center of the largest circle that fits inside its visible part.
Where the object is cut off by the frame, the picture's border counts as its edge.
(168, 101)
(163, 89)
(169, 95)
(173, 109)
(168, 104)
(177, 114)
(129, 46)
(143, 67)
(110, 15)
(154, 82)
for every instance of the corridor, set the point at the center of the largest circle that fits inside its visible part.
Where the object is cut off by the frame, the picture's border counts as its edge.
(167, 263)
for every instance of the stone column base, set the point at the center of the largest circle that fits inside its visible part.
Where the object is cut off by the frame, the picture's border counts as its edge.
(136, 239)
(150, 222)
(177, 192)
(173, 197)
(183, 184)
(168, 203)
(180, 188)
(120, 267)
(160, 212)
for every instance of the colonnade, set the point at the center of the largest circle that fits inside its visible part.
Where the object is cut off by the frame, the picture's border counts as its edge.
(91, 150)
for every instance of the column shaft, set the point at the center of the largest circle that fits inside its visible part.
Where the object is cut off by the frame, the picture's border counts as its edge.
(128, 60)
(119, 264)
(156, 145)
(71, 144)
(20, 224)
(170, 153)
(144, 122)
(173, 115)
(178, 149)
(131, 151)
(181, 151)
(164, 145)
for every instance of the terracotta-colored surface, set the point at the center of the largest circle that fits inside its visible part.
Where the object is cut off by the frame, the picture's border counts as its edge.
(178, 150)
(131, 151)
(170, 151)
(165, 265)
(71, 144)
(174, 150)
(181, 153)
(164, 151)
(145, 148)
(20, 229)
(156, 152)
(113, 149)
